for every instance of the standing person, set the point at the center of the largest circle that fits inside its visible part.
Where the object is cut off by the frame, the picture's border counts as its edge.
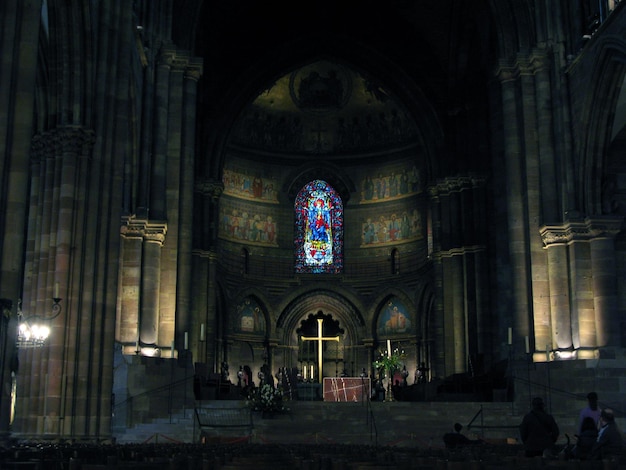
(538, 429)
(609, 442)
(592, 410)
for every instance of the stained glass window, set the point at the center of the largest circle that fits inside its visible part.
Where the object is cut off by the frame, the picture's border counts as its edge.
(319, 229)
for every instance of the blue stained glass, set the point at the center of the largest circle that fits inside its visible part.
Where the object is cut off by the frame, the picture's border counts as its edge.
(319, 229)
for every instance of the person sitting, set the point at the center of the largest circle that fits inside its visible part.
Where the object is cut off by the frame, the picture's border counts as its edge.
(609, 442)
(585, 439)
(455, 439)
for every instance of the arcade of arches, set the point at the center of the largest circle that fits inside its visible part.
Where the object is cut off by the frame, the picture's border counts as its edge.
(204, 181)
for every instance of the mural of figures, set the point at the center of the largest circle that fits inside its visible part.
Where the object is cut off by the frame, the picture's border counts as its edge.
(392, 228)
(253, 187)
(391, 185)
(393, 318)
(249, 318)
(239, 223)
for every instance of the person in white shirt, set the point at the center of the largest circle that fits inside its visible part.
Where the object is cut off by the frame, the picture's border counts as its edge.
(592, 410)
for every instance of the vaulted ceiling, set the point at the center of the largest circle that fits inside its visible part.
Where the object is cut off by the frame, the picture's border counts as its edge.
(425, 63)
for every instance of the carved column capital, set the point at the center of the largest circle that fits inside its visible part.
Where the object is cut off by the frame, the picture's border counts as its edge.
(212, 188)
(143, 229)
(68, 139)
(456, 184)
(507, 72)
(194, 69)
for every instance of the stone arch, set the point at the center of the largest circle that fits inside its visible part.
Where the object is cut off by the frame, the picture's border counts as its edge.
(379, 304)
(329, 172)
(320, 299)
(514, 23)
(246, 345)
(609, 71)
(339, 306)
(257, 296)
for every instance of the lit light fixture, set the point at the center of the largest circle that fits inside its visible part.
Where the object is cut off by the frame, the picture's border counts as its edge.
(32, 332)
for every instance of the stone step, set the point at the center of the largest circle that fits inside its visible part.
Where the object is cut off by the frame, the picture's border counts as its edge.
(383, 423)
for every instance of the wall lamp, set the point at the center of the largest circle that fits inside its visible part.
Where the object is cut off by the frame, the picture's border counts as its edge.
(32, 332)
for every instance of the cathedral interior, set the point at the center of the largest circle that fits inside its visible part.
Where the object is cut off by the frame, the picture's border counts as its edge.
(203, 196)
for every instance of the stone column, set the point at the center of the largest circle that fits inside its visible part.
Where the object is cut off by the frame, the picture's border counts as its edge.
(516, 210)
(154, 237)
(437, 330)
(158, 174)
(547, 174)
(588, 271)
(459, 210)
(8, 329)
(210, 192)
(455, 290)
(583, 314)
(608, 323)
(559, 296)
(185, 304)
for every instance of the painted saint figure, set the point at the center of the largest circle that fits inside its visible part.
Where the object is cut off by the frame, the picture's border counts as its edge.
(319, 221)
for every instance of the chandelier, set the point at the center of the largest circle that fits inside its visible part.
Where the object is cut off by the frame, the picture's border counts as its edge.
(32, 332)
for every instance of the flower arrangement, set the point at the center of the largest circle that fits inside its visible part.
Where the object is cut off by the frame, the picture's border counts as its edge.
(389, 363)
(266, 398)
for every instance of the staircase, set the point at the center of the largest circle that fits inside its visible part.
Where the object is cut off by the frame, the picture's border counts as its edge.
(385, 423)
(420, 424)
(180, 427)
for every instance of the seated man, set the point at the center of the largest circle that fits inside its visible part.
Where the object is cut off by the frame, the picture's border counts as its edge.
(455, 439)
(609, 442)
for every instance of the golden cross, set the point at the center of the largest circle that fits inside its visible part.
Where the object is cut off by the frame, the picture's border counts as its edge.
(319, 338)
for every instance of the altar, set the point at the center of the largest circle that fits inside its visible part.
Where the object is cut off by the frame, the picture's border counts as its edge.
(347, 388)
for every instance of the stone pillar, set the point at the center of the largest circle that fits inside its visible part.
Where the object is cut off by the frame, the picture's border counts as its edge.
(457, 204)
(19, 35)
(587, 269)
(583, 313)
(456, 292)
(209, 194)
(154, 237)
(516, 210)
(215, 353)
(185, 304)
(159, 168)
(127, 324)
(608, 325)
(8, 329)
(559, 296)
(437, 328)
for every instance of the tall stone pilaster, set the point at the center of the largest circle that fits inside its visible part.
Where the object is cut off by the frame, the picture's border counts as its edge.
(589, 320)
(516, 210)
(459, 267)
(208, 195)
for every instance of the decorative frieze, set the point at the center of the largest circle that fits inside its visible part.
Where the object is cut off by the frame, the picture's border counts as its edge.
(62, 140)
(581, 230)
(460, 251)
(456, 184)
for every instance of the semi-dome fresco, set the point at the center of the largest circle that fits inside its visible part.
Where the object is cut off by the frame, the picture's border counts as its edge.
(324, 108)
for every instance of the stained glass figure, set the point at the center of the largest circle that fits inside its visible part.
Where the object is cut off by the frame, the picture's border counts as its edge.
(319, 229)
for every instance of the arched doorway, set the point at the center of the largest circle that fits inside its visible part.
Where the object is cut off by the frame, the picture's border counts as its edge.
(335, 319)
